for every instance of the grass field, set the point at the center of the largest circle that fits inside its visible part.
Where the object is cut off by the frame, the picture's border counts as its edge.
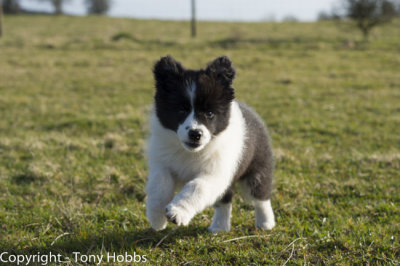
(75, 94)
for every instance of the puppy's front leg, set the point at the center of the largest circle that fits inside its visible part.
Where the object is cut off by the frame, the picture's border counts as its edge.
(160, 190)
(195, 196)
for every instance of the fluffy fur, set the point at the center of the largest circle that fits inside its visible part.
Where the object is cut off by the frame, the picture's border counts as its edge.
(202, 142)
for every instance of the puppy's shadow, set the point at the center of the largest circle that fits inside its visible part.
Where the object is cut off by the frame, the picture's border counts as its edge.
(145, 238)
(118, 241)
(148, 238)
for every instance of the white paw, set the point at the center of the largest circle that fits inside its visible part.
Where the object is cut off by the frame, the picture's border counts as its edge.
(268, 225)
(177, 215)
(157, 219)
(214, 229)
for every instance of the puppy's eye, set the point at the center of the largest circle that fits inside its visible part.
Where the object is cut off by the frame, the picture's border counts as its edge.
(209, 114)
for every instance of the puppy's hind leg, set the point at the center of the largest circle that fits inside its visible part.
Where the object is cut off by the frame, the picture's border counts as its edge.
(222, 217)
(265, 218)
(256, 188)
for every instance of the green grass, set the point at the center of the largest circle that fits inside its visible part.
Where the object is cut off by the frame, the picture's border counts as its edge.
(75, 94)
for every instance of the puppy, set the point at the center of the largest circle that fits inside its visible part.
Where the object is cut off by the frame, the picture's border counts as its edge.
(202, 142)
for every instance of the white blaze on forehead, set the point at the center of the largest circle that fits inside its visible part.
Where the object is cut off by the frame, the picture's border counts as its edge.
(191, 90)
(190, 121)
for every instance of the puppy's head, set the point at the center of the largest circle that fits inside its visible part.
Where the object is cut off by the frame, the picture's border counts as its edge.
(194, 103)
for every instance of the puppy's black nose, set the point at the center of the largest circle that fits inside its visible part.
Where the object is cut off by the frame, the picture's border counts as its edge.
(195, 134)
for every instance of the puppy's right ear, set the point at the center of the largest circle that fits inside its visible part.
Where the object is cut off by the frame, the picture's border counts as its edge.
(167, 68)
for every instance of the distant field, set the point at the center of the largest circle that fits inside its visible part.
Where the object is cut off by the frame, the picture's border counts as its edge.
(75, 94)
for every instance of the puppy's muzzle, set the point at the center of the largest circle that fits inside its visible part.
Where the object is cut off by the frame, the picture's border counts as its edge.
(195, 135)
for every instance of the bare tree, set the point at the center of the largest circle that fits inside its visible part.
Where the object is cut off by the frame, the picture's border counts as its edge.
(193, 18)
(369, 13)
(389, 9)
(98, 6)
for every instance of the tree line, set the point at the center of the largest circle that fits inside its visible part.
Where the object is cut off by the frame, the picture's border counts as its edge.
(92, 6)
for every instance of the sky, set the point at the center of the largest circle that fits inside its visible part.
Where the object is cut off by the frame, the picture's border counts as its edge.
(226, 10)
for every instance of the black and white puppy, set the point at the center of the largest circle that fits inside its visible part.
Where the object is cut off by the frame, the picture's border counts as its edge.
(203, 141)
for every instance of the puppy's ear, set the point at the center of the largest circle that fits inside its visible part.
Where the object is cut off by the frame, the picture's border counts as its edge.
(222, 70)
(167, 68)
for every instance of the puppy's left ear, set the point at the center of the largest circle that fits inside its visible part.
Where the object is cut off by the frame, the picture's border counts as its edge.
(222, 70)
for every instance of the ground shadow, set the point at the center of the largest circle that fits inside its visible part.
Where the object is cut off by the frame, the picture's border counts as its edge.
(113, 241)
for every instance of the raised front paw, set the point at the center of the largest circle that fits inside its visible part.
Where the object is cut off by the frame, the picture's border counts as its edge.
(177, 215)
